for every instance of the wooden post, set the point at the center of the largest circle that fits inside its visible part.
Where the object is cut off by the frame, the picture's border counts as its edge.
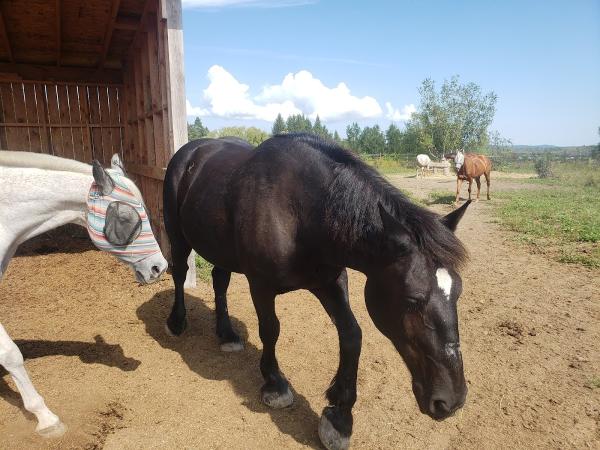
(170, 10)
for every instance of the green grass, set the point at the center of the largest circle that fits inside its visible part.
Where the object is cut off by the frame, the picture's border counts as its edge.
(203, 269)
(562, 217)
(389, 164)
(441, 198)
(593, 383)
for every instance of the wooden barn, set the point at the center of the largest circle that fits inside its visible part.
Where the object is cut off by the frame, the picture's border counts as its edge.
(84, 79)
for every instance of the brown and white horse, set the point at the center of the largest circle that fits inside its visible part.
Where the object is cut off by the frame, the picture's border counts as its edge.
(469, 167)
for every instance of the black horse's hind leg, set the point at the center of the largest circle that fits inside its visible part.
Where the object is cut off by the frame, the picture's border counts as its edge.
(276, 391)
(180, 250)
(335, 426)
(230, 341)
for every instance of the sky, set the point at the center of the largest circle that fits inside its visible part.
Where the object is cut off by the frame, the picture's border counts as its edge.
(248, 60)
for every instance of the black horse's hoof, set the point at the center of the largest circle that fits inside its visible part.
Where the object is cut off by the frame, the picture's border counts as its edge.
(230, 341)
(175, 328)
(235, 346)
(331, 438)
(277, 400)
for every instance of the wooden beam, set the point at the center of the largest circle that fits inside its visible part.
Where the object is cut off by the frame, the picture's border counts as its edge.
(140, 28)
(4, 36)
(58, 32)
(62, 74)
(109, 32)
(126, 23)
(156, 173)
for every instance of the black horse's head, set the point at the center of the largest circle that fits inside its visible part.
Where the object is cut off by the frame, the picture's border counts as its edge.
(412, 300)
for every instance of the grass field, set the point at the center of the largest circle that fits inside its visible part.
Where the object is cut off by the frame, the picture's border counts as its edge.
(203, 269)
(389, 164)
(562, 217)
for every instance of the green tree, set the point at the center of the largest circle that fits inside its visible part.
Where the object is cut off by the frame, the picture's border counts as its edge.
(336, 137)
(319, 129)
(456, 117)
(393, 139)
(298, 123)
(253, 135)
(353, 132)
(372, 140)
(498, 145)
(196, 130)
(415, 139)
(278, 126)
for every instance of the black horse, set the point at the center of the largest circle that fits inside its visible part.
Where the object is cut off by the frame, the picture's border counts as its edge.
(293, 214)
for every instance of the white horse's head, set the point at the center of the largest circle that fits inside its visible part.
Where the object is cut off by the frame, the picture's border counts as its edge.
(459, 159)
(117, 222)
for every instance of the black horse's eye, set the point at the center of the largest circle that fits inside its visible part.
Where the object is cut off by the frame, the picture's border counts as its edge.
(414, 303)
(123, 224)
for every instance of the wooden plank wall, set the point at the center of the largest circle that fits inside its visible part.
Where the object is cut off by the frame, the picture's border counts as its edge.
(72, 120)
(148, 142)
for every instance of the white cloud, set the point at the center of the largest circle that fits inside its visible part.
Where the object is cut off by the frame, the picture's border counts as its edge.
(299, 93)
(314, 98)
(195, 110)
(214, 4)
(396, 115)
(226, 97)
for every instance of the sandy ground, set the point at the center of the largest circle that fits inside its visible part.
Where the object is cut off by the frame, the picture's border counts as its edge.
(96, 349)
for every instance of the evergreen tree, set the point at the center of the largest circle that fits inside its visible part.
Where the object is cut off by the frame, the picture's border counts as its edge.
(279, 126)
(298, 123)
(196, 130)
(372, 140)
(320, 129)
(353, 132)
(393, 139)
(336, 137)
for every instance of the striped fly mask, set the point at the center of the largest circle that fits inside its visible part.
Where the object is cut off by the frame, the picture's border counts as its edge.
(459, 159)
(118, 223)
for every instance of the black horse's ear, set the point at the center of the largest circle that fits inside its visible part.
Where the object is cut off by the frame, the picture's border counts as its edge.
(102, 178)
(451, 220)
(397, 234)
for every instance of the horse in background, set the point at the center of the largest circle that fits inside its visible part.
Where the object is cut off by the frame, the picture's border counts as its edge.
(469, 167)
(424, 163)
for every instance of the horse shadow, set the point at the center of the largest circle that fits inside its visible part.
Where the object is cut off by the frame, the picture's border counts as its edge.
(199, 349)
(68, 238)
(98, 352)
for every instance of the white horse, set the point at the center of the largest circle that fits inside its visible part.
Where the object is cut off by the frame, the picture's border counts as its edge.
(424, 162)
(41, 192)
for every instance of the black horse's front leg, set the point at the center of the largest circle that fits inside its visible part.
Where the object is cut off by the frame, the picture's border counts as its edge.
(276, 391)
(335, 427)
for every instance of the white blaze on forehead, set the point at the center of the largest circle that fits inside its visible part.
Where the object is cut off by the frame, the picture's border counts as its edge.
(444, 281)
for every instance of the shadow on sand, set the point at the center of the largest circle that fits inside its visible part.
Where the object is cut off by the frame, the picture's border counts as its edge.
(98, 352)
(199, 349)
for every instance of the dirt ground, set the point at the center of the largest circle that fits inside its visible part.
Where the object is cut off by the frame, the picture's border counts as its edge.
(97, 351)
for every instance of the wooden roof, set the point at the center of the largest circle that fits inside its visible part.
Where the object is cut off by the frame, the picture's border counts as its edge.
(86, 34)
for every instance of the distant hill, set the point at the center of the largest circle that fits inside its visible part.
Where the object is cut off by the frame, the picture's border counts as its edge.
(577, 149)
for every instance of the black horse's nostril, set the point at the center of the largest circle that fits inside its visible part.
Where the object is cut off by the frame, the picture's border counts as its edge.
(155, 270)
(439, 408)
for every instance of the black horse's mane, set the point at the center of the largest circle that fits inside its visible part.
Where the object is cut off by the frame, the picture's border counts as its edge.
(352, 206)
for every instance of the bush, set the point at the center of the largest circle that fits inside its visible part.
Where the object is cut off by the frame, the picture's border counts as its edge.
(543, 168)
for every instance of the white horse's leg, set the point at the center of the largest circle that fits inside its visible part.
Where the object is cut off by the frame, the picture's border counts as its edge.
(49, 425)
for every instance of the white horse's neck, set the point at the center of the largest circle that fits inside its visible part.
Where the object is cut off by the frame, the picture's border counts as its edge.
(33, 201)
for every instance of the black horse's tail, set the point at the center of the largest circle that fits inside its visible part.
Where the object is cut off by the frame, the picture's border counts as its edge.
(171, 199)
